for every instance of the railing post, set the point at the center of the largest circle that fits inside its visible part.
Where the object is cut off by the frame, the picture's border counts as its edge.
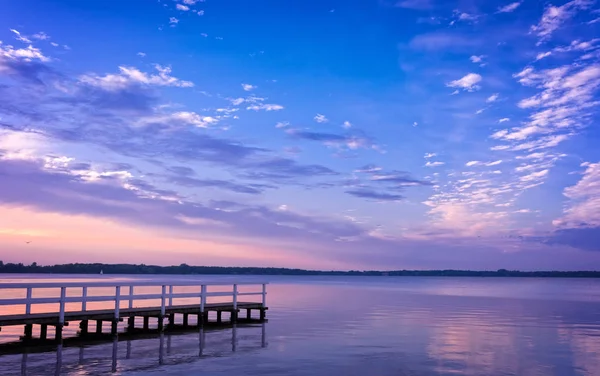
(162, 301)
(131, 296)
(28, 304)
(117, 301)
(170, 295)
(235, 293)
(61, 314)
(264, 295)
(202, 298)
(84, 299)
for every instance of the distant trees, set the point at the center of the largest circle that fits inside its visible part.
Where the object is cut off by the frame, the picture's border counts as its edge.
(95, 268)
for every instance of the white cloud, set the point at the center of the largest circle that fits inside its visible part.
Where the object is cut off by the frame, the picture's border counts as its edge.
(430, 155)
(128, 76)
(204, 35)
(479, 111)
(54, 44)
(40, 36)
(319, 118)
(248, 87)
(542, 55)
(265, 107)
(584, 208)
(141, 54)
(182, 7)
(434, 164)
(477, 59)
(534, 176)
(282, 124)
(472, 163)
(561, 106)
(26, 54)
(509, 8)
(173, 21)
(200, 13)
(554, 17)
(415, 124)
(347, 124)
(20, 37)
(181, 117)
(494, 163)
(503, 120)
(492, 98)
(191, 2)
(468, 82)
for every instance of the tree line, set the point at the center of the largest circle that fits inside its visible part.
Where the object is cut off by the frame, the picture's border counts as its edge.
(97, 268)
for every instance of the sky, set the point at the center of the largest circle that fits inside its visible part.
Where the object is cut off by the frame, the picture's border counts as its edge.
(371, 134)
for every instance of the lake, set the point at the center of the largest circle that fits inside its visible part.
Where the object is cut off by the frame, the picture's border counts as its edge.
(361, 326)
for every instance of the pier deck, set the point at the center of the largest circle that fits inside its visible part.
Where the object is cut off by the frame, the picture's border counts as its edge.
(122, 305)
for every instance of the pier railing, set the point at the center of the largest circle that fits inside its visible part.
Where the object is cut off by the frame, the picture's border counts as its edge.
(123, 297)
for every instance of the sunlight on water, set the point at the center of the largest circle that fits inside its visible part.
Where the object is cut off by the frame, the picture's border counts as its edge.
(365, 326)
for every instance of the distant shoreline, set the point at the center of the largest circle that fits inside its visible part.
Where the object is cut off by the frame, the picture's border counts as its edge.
(184, 269)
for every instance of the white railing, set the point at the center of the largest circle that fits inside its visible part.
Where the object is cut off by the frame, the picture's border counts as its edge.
(166, 298)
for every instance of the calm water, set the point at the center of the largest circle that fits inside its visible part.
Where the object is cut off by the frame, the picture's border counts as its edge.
(367, 326)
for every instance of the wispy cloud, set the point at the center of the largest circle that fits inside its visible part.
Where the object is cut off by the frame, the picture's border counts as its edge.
(468, 82)
(554, 17)
(248, 87)
(509, 8)
(265, 107)
(128, 76)
(492, 98)
(20, 37)
(320, 118)
(182, 7)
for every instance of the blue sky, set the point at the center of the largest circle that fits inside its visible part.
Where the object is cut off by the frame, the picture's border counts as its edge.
(369, 134)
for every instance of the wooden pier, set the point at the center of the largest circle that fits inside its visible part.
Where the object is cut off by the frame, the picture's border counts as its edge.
(59, 304)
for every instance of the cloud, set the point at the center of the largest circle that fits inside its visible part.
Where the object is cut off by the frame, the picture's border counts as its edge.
(182, 7)
(371, 194)
(20, 37)
(561, 105)
(173, 21)
(282, 124)
(351, 141)
(554, 17)
(265, 107)
(320, 118)
(179, 118)
(191, 182)
(583, 209)
(434, 164)
(430, 155)
(200, 13)
(503, 120)
(492, 98)
(26, 64)
(509, 8)
(468, 82)
(191, 2)
(129, 76)
(40, 36)
(472, 163)
(347, 124)
(542, 55)
(248, 87)
(477, 59)
(141, 54)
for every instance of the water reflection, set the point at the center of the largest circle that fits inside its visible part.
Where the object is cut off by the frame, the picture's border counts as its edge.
(383, 326)
(172, 350)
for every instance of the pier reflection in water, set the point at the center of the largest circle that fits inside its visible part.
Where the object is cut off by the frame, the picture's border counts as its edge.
(130, 355)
